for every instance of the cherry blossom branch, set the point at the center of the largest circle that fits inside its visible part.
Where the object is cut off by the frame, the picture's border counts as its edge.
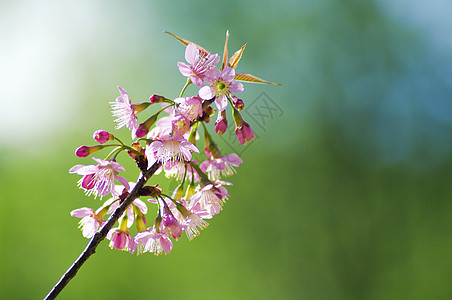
(102, 233)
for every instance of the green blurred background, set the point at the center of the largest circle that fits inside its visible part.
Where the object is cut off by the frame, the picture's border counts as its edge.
(345, 194)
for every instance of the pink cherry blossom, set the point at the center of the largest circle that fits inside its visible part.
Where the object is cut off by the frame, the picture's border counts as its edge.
(171, 148)
(121, 240)
(177, 170)
(195, 221)
(223, 166)
(199, 64)
(124, 113)
(221, 85)
(162, 127)
(179, 124)
(190, 107)
(153, 241)
(244, 133)
(170, 223)
(90, 222)
(207, 199)
(99, 179)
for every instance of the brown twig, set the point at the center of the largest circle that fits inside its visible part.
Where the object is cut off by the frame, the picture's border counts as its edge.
(101, 234)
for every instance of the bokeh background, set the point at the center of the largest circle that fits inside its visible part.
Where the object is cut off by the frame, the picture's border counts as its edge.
(345, 194)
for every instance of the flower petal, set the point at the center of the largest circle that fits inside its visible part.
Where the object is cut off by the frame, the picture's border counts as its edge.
(124, 182)
(82, 212)
(236, 87)
(141, 206)
(184, 69)
(221, 102)
(191, 54)
(228, 74)
(206, 93)
(233, 159)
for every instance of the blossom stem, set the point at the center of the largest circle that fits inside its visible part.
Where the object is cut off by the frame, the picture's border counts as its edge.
(102, 233)
(114, 153)
(185, 87)
(200, 172)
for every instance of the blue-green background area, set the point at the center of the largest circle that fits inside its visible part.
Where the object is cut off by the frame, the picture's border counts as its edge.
(345, 193)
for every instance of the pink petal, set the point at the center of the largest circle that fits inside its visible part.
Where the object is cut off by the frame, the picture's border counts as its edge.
(206, 93)
(141, 206)
(212, 75)
(82, 212)
(191, 53)
(101, 162)
(184, 69)
(233, 159)
(154, 146)
(123, 181)
(221, 102)
(197, 81)
(88, 182)
(130, 216)
(228, 74)
(84, 170)
(236, 87)
(122, 91)
(166, 243)
(189, 146)
(204, 165)
(113, 207)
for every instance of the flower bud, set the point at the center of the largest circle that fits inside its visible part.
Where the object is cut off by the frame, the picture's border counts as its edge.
(237, 102)
(157, 99)
(192, 135)
(171, 223)
(140, 222)
(244, 133)
(84, 151)
(184, 211)
(144, 127)
(102, 136)
(157, 222)
(190, 191)
(221, 124)
(178, 192)
(139, 107)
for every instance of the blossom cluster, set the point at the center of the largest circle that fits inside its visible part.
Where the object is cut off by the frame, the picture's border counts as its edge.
(168, 139)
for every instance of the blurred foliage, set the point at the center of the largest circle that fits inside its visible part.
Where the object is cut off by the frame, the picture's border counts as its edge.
(344, 196)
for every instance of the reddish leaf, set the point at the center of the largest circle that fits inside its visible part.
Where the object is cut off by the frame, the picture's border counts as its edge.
(236, 57)
(252, 78)
(186, 42)
(225, 53)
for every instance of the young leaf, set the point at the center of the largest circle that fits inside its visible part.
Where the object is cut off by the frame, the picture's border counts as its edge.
(225, 53)
(252, 78)
(236, 57)
(186, 42)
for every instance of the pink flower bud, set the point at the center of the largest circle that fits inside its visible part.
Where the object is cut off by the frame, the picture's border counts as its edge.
(84, 151)
(156, 99)
(237, 102)
(102, 136)
(221, 124)
(171, 223)
(244, 133)
(144, 127)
